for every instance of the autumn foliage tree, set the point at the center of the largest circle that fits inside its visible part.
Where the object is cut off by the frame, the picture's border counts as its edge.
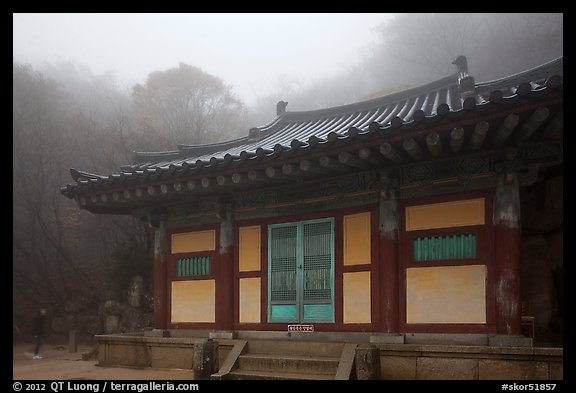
(186, 105)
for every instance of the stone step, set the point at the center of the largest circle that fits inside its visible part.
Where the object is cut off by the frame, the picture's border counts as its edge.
(289, 363)
(297, 348)
(271, 375)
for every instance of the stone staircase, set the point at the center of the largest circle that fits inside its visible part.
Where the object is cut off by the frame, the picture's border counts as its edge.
(284, 360)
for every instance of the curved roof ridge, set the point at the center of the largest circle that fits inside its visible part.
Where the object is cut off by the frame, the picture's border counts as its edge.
(184, 146)
(549, 68)
(374, 102)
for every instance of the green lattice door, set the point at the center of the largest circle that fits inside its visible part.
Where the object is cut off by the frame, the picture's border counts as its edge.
(301, 271)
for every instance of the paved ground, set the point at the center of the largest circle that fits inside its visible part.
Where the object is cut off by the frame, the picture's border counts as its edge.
(59, 364)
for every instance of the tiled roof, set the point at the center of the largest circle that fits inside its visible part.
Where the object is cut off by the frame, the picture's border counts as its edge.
(422, 103)
(290, 131)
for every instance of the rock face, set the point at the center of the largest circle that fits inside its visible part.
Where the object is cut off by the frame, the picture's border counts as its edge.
(134, 315)
(113, 315)
(542, 264)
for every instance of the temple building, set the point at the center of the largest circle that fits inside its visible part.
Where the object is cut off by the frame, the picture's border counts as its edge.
(397, 215)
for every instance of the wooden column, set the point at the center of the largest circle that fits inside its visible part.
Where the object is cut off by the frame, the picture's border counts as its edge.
(161, 250)
(224, 280)
(507, 253)
(388, 255)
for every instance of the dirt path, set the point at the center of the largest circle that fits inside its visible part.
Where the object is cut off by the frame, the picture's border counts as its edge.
(59, 364)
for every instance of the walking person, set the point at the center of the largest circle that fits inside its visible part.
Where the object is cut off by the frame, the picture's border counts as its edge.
(38, 331)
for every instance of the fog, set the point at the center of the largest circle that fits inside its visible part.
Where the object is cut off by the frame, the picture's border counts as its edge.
(90, 89)
(250, 52)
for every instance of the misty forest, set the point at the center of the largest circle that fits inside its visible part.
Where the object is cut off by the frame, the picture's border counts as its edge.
(83, 266)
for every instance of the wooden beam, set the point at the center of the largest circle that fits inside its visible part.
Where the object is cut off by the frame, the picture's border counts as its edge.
(206, 182)
(456, 139)
(556, 124)
(350, 159)
(388, 151)
(223, 181)
(478, 135)
(371, 156)
(274, 173)
(239, 178)
(434, 143)
(312, 167)
(532, 124)
(332, 164)
(256, 176)
(506, 128)
(294, 170)
(412, 148)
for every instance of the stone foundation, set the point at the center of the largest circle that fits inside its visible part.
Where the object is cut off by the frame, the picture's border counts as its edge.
(128, 350)
(411, 361)
(397, 361)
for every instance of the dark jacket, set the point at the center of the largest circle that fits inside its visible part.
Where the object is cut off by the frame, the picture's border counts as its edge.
(38, 325)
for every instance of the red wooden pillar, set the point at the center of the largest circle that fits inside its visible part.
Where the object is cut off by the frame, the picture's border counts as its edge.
(388, 255)
(225, 279)
(507, 254)
(160, 269)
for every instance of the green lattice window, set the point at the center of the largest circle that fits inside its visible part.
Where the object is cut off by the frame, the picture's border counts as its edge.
(317, 261)
(193, 266)
(433, 248)
(301, 276)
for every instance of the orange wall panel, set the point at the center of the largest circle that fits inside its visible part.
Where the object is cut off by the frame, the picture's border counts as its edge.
(250, 300)
(357, 304)
(193, 301)
(193, 241)
(357, 239)
(249, 249)
(445, 215)
(446, 294)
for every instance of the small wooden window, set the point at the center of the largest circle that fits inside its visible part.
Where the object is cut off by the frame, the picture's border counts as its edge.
(434, 248)
(193, 266)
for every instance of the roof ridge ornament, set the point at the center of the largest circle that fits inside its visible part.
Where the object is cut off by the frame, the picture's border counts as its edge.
(281, 107)
(466, 84)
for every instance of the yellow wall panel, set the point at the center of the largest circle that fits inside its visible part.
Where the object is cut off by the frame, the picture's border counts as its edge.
(194, 241)
(445, 215)
(357, 239)
(250, 300)
(193, 301)
(446, 294)
(249, 249)
(356, 288)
